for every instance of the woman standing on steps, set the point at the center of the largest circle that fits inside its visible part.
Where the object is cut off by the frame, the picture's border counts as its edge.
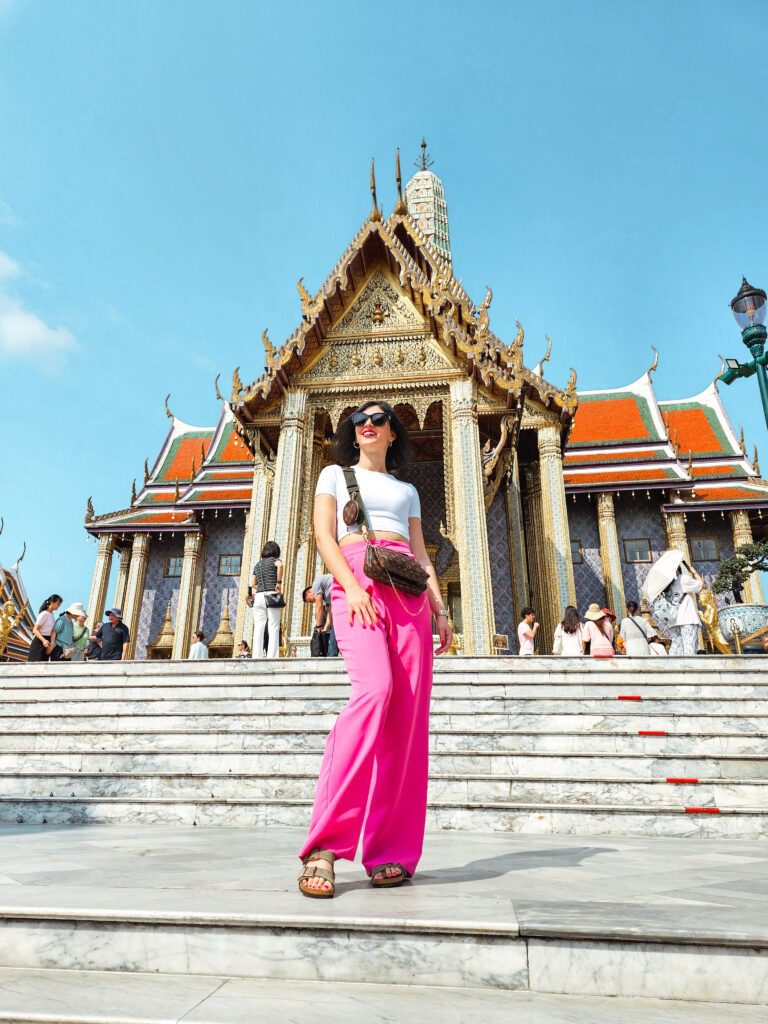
(373, 779)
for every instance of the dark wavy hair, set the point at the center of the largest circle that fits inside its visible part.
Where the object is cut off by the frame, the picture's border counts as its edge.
(399, 453)
(46, 605)
(571, 620)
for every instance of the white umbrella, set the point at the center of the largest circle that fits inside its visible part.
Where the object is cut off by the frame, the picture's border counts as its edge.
(663, 571)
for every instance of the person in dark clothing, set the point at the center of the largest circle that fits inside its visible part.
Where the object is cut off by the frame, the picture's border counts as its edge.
(114, 636)
(93, 650)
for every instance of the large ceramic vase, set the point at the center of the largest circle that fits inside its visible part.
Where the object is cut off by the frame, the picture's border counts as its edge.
(747, 618)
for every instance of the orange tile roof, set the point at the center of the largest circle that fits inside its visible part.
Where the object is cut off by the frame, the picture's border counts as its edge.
(577, 458)
(604, 420)
(188, 450)
(213, 475)
(220, 494)
(728, 470)
(729, 494)
(617, 476)
(693, 431)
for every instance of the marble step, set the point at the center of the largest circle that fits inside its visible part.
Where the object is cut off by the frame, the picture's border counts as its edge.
(542, 703)
(443, 787)
(537, 763)
(518, 816)
(605, 741)
(107, 997)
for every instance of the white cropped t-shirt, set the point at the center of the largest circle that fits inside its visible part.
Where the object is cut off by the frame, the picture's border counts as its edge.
(389, 502)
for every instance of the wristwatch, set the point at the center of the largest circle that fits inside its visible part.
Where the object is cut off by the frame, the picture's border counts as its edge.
(442, 611)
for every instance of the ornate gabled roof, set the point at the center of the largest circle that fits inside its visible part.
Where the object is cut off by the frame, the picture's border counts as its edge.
(621, 416)
(701, 425)
(12, 589)
(460, 329)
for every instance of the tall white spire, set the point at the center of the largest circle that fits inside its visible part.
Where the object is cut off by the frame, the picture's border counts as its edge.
(427, 206)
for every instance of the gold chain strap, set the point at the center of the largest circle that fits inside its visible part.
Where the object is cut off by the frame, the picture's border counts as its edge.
(414, 615)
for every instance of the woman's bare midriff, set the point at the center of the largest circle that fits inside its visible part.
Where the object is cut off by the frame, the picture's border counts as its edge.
(355, 538)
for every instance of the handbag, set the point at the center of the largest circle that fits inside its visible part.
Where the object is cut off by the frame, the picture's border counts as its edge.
(272, 598)
(382, 565)
(557, 646)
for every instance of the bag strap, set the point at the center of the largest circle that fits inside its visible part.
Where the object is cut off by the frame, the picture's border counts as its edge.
(353, 489)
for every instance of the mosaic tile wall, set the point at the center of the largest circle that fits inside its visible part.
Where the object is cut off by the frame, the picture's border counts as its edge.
(501, 577)
(158, 590)
(588, 575)
(639, 517)
(720, 530)
(428, 479)
(225, 536)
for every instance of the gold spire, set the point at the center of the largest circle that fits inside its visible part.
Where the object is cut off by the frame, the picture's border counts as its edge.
(146, 471)
(742, 443)
(202, 453)
(756, 463)
(193, 472)
(224, 640)
(162, 645)
(375, 211)
(133, 492)
(400, 206)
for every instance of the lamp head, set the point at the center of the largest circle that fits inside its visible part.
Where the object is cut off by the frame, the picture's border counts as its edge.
(749, 305)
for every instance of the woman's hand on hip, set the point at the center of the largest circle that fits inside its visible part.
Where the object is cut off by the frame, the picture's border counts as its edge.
(445, 633)
(359, 602)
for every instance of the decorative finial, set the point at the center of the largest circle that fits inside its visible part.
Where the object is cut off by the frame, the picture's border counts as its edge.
(218, 392)
(178, 490)
(539, 371)
(2, 524)
(269, 349)
(306, 298)
(654, 365)
(756, 463)
(237, 384)
(375, 211)
(202, 453)
(193, 471)
(400, 206)
(89, 513)
(168, 412)
(146, 471)
(690, 462)
(20, 559)
(742, 443)
(570, 387)
(426, 161)
(133, 492)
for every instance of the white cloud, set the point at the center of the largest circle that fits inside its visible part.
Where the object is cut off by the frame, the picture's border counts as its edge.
(7, 216)
(24, 334)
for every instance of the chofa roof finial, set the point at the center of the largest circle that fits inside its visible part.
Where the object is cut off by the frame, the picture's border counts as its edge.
(375, 211)
(400, 206)
(168, 412)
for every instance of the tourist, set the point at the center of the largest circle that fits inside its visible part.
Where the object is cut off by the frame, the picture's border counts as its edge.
(597, 633)
(268, 600)
(198, 651)
(656, 647)
(635, 632)
(93, 650)
(80, 634)
(114, 636)
(243, 650)
(44, 630)
(568, 635)
(526, 632)
(64, 648)
(685, 631)
(323, 644)
(373, 779)
(669, 588)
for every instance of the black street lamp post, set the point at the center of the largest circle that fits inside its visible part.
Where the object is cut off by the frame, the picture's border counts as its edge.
(749, 309)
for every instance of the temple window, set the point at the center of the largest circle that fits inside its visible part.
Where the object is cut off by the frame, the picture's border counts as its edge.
(637, 549)
(705, 549)
(173, 566)
(229, 565)
(577, 552)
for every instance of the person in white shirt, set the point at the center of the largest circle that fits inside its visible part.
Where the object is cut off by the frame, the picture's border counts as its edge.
(198, 651)
(685, 631)
(568, 635)
(526, 633)
(635, 632)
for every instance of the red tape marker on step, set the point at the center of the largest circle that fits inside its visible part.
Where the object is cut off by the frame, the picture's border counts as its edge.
(651, 732)
(629, 698)
(702, 810)
(684, 782)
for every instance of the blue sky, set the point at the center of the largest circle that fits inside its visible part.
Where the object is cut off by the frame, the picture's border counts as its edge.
(168, 170)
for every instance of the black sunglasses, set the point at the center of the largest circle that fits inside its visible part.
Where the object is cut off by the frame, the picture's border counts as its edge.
(378, 419)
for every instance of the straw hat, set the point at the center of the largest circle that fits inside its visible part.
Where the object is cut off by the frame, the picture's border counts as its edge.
(594, 612)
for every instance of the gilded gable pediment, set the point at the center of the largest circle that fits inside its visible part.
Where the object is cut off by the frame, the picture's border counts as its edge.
(381, 308)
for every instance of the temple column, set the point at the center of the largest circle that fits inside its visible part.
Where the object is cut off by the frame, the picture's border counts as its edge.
(122, 577)
(557, 537)
(741, 530)
(185, 608)
(134, 591)
(516, 541)
(285, 513)
(610, 556)
(470, 529)
(540, 593)
(674, 524)
(100, 582)
(255, 538)
(302, 621)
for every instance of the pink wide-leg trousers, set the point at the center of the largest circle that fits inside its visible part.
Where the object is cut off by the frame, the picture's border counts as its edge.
(373, 779)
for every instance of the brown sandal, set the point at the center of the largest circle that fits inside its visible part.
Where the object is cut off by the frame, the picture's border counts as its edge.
(388, 882)
(312, 871)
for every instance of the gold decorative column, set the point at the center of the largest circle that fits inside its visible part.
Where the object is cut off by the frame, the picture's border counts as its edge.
(256, 526)
(674, 524)
(557, 537)
(98, 596)
(516, 541)
(134, 591)
(470, 530)
(285, 513)
(741, 530)
(610, 555)
(541, 595)
(122, 577)
(185, 608)
(306, 553)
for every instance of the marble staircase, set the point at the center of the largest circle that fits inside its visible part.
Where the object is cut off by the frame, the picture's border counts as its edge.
(673, 747)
